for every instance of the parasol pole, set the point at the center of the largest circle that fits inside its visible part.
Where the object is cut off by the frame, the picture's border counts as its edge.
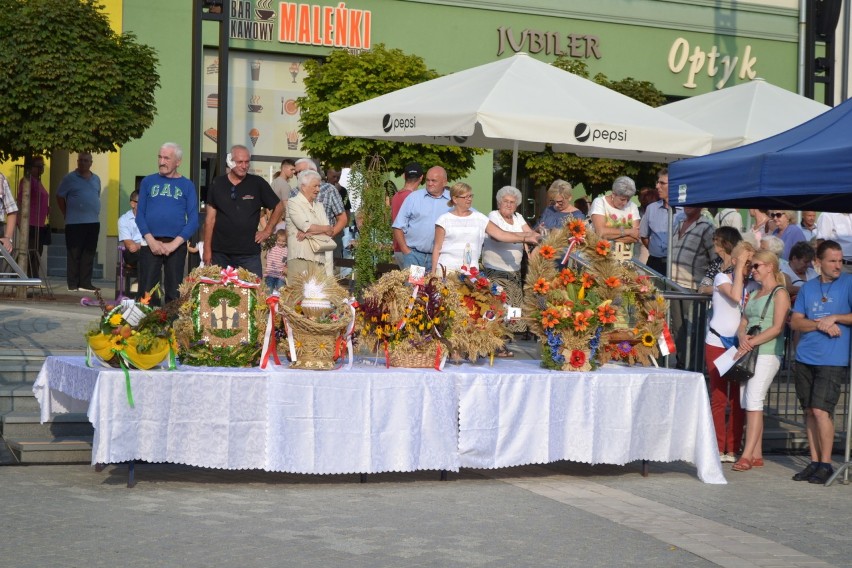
(514, 163)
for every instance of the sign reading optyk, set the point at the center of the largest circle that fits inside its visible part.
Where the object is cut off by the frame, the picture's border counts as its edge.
(681, 53)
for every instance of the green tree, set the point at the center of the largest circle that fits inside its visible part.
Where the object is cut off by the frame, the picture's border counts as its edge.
(596, 174)
(68, 81)
(344, 79)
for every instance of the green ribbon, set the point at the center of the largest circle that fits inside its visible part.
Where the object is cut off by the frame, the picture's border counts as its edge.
(121, 355)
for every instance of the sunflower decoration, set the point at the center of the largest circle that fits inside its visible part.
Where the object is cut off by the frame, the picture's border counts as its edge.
(411, 325)
(593, 312)
(480, 328)
(222, 317)
(133, 335)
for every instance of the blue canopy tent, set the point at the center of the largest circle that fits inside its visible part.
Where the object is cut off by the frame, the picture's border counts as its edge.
(808, 167)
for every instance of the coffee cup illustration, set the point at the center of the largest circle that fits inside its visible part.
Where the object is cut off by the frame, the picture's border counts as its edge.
(254, 104)
(255, 70)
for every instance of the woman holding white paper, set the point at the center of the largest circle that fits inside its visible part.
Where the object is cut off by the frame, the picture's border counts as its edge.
(768, 308)
(728, 287)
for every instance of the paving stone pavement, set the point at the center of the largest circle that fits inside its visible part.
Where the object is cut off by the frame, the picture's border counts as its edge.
(562, 514)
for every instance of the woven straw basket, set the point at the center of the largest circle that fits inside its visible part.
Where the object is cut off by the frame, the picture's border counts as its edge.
(409, 356)
(315, 342)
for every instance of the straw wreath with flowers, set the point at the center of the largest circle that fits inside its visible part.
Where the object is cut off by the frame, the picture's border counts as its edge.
(222, 317)
(480, 328)
(587, 315)
(411, 324)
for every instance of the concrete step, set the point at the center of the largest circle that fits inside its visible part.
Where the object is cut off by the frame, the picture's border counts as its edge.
(18, 397)
(21, 424)
(69, 449)
(19, 372)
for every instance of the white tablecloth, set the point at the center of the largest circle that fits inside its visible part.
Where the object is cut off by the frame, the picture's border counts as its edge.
(517, 413)
(371, 419)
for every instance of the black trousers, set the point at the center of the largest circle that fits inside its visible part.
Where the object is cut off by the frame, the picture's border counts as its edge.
(150, 267)
(81, 244)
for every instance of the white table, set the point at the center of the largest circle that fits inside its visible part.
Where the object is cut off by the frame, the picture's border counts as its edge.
(367, 420)
(517, 413)
(371, 419)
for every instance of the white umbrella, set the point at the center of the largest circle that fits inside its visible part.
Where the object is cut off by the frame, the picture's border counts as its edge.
(520, 103)
(745, 113)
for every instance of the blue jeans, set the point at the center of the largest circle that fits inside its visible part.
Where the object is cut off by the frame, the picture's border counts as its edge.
(274, 283)
(250, 262)
(417, 258)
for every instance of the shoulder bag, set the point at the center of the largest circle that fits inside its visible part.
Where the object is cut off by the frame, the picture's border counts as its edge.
(321, 243)
(743, 369)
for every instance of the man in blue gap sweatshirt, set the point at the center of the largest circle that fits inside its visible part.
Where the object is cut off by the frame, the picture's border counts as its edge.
(167, 216)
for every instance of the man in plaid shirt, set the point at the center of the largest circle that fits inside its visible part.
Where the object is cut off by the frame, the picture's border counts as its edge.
(692, 251)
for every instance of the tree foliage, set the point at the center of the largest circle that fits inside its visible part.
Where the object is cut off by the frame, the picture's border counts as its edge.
(68, 81)
(375, 240)
(596, 174)
(344, 79)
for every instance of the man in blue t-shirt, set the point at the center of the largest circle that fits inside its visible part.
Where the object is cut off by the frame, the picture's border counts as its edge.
(167, 217)
(823, 315)
(79, 200)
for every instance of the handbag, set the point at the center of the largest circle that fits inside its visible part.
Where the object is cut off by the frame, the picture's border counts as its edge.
(743, 369)
(321, 243)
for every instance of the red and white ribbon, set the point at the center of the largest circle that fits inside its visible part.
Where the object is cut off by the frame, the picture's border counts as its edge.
(572, 242)
(229, 276)
(269, 343)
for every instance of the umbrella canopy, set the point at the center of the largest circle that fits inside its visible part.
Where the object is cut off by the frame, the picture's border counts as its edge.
(520, 103)
(746, 113)
(806, 168)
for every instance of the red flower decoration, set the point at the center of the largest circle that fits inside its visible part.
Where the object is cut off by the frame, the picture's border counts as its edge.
(578, 358)
(541, 286)
(546, 252)
(612, 282)
(549, 318)
(567, 276)
(603, 247)
(587, 280)
(581, 321)
(606, 314)
(577, 229)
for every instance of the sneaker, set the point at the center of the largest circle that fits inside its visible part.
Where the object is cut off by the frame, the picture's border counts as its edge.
(723, 457)
(70, 289)
(730, 457)
(822, 474)
(806, 473)
(88, 289)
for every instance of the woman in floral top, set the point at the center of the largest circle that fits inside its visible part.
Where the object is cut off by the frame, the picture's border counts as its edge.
(616, 218)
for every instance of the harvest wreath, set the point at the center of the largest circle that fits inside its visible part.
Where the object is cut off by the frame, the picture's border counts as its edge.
(589, 315)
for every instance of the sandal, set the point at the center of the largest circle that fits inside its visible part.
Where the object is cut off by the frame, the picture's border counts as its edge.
(743, 465)
(757, 462)
(504, 353)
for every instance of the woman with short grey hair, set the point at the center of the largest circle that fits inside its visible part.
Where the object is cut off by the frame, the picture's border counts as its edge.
(501, 261)
(616, 218)
(561, 208)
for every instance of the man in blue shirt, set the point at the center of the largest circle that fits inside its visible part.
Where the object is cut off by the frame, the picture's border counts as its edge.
(654, 226)
(823, 315)
(167, 217)
(414, 227)
(79, 200)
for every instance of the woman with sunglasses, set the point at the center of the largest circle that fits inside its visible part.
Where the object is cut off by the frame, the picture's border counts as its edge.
(787, 230)
(773, 301)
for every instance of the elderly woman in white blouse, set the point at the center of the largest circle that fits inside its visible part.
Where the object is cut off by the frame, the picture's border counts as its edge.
(501, 261)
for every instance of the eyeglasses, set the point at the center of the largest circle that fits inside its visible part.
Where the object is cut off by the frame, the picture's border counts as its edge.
(661, 182)
(134, 201)
(469, 196)
(233, 193)
(757, 265)
(776, 215)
